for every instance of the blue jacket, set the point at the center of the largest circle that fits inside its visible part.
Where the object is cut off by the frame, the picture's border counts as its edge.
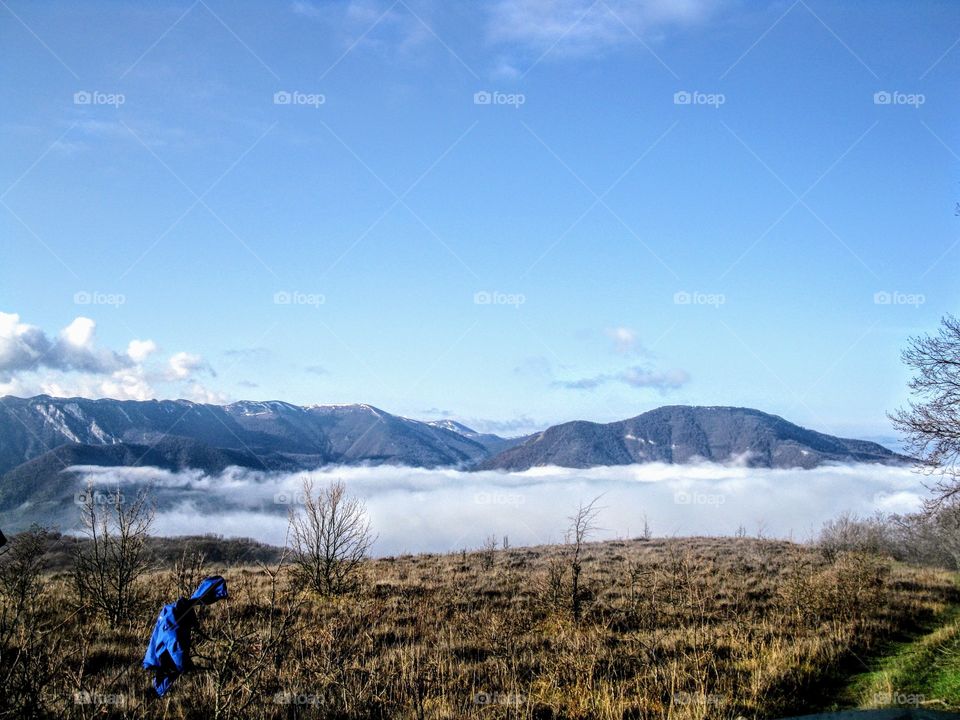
(168, 654)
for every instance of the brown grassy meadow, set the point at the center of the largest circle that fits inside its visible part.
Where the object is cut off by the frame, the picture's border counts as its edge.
(680, 628)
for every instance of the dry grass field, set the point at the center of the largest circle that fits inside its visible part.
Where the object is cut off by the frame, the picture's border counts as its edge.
(680, 628)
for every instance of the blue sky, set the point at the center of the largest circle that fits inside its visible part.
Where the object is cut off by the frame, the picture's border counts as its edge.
(701, 201)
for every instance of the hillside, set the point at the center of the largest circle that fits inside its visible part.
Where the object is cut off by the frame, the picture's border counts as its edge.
(682, 434)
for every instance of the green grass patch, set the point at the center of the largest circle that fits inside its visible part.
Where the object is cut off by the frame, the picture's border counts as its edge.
(922, 672)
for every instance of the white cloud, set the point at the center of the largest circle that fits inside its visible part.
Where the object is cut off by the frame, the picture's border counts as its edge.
(21, 345)
(79, 333)
(140, 350)
(184, 365)
(585, 26)
(128, 384)
(625, 340)
(198, 392)
(637, 376)
(70, 364)
(445, 510)
(624, 337)
(124, 384)
(14, 386)
(26, 347)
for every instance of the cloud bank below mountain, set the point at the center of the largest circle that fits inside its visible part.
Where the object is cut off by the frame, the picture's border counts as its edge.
(416, 510)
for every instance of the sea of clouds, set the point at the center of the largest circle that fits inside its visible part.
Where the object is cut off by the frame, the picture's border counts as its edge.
(419, 510)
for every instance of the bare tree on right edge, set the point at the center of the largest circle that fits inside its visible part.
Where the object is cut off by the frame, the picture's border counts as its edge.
(931, 422)
(330, 539)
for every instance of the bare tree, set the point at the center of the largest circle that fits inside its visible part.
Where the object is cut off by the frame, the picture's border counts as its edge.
(330, 539)
(931, 422)
(582, 525)
(488, 552)
(21, 584)
(34, 647)
(107, 567)
(21, 567)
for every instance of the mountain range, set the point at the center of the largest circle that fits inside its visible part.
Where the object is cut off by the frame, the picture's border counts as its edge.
(684, 434)
(42, 438)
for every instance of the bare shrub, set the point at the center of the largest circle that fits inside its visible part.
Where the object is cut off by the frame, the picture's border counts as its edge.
(330, 539)
(856, 581)
(488, 552)
(647, 532)
(551, 585)
(851, 586)
(850, 533)
(582, 526)
(21, 573)
(930, 538)
(108, 566)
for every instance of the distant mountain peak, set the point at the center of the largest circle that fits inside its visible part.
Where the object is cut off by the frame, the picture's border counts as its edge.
(454, 426)
(345, 406)
(688, 433)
